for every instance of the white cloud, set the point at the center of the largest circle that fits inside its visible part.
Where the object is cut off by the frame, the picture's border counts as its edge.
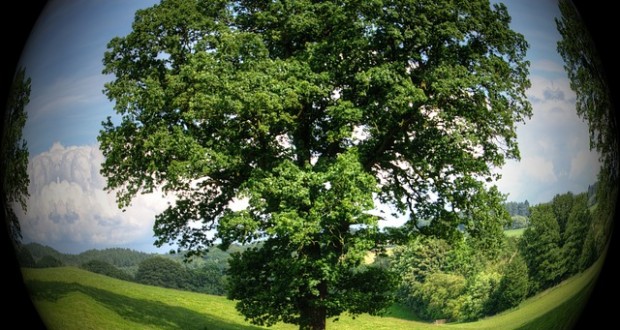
(69, 208)
(555, 155)
(584, 163)
(556, 92)
(540, 169)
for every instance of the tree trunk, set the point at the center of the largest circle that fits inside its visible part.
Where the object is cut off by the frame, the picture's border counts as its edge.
(313, 313)
(313, 318)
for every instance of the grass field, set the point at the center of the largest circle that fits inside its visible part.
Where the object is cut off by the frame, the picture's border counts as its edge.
(71, 298)
(514, 232)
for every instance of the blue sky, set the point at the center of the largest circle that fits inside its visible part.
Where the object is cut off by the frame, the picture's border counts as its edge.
(64, 59)
(68, 208)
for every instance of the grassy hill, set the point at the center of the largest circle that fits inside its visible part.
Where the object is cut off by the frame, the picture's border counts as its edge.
(71, 298)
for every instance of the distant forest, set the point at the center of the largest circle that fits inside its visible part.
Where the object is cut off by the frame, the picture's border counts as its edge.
(520, 211)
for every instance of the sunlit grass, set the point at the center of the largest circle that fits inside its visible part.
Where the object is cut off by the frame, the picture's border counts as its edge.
(514, 232)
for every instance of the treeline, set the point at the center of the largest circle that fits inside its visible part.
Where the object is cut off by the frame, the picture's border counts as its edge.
(518, 208)
(454, 281)
(565, 237)
(125, 259)
(206, 274)
(207, 277)
(519, 213)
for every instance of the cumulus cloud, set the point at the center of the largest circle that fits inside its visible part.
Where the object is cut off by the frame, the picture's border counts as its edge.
(553, 94)
(557, 91)
(69, 209)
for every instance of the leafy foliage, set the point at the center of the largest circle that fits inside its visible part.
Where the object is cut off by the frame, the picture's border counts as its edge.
(562, 205)
(426, 264)
(210, 277)
(421, 257)
(604, 215)
(512, 288)
(439, 294)
(594, 105)
(14, 154)
(474, 303)
(552, 255)
(519, 221)
(309, 110)
(540, 247)
(162, 272)
(577, 228)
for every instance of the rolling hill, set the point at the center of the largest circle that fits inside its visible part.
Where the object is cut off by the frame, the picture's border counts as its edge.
(71, 298)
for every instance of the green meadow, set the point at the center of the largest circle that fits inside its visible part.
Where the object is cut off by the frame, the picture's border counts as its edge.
(514, 232)
(71, 298)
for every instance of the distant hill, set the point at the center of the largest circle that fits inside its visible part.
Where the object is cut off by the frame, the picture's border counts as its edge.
(205, 274)
(39, 251)
(123, 258)
(119, 257)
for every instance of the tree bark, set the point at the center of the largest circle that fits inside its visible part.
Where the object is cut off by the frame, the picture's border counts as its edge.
(313, 314)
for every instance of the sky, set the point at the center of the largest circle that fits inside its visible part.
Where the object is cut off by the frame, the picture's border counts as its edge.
(68, 208)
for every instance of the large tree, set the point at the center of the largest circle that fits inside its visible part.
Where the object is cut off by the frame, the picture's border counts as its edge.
(562, 205)
(14, 154)
(541, 249)
(312, 112)
(578, 226)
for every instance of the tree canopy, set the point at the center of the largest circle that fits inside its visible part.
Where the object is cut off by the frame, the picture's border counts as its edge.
(14, 154)
(313, 112)
(162, 272)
